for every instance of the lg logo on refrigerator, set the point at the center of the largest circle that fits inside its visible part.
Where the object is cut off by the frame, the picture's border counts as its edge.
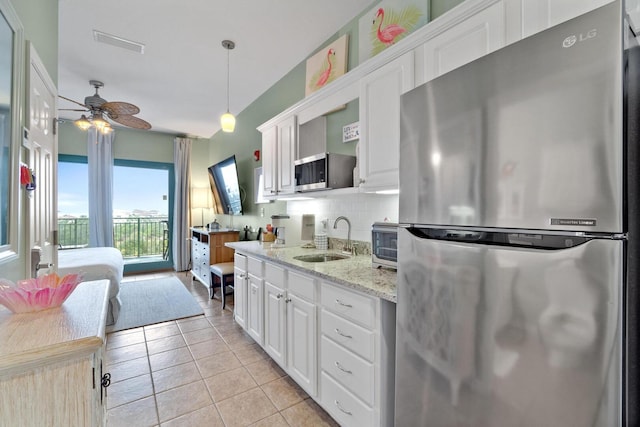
(573, 39)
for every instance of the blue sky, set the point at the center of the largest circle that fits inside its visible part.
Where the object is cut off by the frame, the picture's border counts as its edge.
(133, 188)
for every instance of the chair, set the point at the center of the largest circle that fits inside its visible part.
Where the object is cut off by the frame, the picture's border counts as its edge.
(221, 276)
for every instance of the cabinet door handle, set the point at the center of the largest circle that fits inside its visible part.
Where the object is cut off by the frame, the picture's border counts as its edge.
(339, 366)
(342, 334)
(341, 408)
(279, 296)
(343, 304)
(240, 276)
(287, 300)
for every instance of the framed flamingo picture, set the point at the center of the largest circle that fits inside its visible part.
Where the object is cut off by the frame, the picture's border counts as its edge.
(389, 22)
(326, 65)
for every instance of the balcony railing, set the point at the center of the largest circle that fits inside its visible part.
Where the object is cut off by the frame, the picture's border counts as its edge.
(135, 237)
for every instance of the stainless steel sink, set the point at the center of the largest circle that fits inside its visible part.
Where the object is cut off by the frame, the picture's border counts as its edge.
(320, 257)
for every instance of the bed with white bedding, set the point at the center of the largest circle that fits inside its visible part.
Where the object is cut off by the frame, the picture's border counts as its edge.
(96, 263)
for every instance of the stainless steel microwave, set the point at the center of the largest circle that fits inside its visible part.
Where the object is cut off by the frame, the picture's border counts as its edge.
(384, 244)
(324, 171)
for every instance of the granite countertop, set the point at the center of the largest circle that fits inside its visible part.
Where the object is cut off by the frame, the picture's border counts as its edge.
(354, 272)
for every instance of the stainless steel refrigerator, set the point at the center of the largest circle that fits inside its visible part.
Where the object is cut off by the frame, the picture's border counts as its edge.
(517, 275)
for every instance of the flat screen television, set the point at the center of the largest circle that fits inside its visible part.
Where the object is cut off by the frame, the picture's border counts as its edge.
(223, 178)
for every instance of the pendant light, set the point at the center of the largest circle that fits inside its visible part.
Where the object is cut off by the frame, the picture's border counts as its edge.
(227, 120)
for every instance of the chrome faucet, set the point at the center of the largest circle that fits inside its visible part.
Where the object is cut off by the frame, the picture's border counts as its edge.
(348, 247)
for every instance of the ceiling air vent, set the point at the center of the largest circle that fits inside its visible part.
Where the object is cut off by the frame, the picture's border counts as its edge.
(123, 43)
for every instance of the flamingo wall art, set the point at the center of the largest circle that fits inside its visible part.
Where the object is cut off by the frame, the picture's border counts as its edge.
(326, 65)
(389, 22)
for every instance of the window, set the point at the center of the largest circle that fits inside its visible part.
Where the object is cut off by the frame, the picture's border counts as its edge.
(73, 202)
(142, 209)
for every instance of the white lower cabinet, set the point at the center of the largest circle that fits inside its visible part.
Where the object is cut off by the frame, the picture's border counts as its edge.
(255, 301)
(338, 345)
(274, 318)
(240, 289)
(357, 352)
(290, 325)
(302, 335)
(343, 405)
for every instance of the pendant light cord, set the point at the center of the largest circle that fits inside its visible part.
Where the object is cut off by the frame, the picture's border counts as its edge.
(228, 78)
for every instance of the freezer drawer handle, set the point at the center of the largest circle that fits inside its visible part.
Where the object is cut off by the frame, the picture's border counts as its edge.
(341, 408)
(339, 366)
(343, 304)
(339, 332)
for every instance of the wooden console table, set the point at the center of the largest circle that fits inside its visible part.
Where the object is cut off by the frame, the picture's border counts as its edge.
(207, 248)
(51, 362)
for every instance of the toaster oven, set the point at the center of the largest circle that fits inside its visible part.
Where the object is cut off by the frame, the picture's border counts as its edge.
(384, 245)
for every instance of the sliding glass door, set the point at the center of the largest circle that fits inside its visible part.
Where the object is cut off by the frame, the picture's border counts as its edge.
(142, 210)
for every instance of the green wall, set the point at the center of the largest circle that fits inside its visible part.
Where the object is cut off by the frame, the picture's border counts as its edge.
(129, 144)
(439, 7)
(40, 21)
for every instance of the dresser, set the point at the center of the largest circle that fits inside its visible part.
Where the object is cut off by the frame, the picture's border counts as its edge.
(52, 362)
(207, 248)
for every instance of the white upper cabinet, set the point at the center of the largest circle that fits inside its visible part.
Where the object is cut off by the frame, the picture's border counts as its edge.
(539, 15)
(379, 145)
(269, 166)
(472, 38)
(287, 130)
(278, 155)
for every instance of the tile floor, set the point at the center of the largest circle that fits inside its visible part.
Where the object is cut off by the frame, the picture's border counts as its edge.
(200, 371)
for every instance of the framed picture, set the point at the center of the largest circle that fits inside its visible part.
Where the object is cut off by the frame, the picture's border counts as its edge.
(326, 65)
(389, 22)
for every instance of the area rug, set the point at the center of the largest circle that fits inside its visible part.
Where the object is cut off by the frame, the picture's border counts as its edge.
(145, 302)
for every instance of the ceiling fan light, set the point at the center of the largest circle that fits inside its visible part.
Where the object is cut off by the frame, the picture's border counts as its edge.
(99, 122)
(83, 123)
(227, 122)
(107, 129)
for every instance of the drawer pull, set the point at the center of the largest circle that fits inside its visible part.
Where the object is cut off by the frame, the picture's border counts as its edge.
(343, 304)
(341, 408)
(339, 366)
(342, 334)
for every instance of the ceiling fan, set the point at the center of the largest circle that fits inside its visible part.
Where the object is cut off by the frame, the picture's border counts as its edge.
(99, 108)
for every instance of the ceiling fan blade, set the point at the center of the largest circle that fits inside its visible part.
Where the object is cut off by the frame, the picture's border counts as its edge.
(131, 121)
(71, 100)
(117, 108)
(71, 109)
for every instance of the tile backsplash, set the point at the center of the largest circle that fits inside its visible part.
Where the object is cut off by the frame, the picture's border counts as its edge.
(362, 209)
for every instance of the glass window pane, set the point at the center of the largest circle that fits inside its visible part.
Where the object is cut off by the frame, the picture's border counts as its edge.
(140, 211)
(73, 204)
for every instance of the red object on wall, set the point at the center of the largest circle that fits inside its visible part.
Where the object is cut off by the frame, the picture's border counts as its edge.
(256, 154)
(25, 175)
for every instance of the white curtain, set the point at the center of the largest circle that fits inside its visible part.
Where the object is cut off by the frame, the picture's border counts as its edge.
(182, 205)
(100, 165)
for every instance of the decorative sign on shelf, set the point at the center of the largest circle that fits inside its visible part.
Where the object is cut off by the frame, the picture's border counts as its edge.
(351, 132)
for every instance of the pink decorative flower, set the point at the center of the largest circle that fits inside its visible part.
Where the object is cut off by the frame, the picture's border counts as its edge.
(30, 295)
